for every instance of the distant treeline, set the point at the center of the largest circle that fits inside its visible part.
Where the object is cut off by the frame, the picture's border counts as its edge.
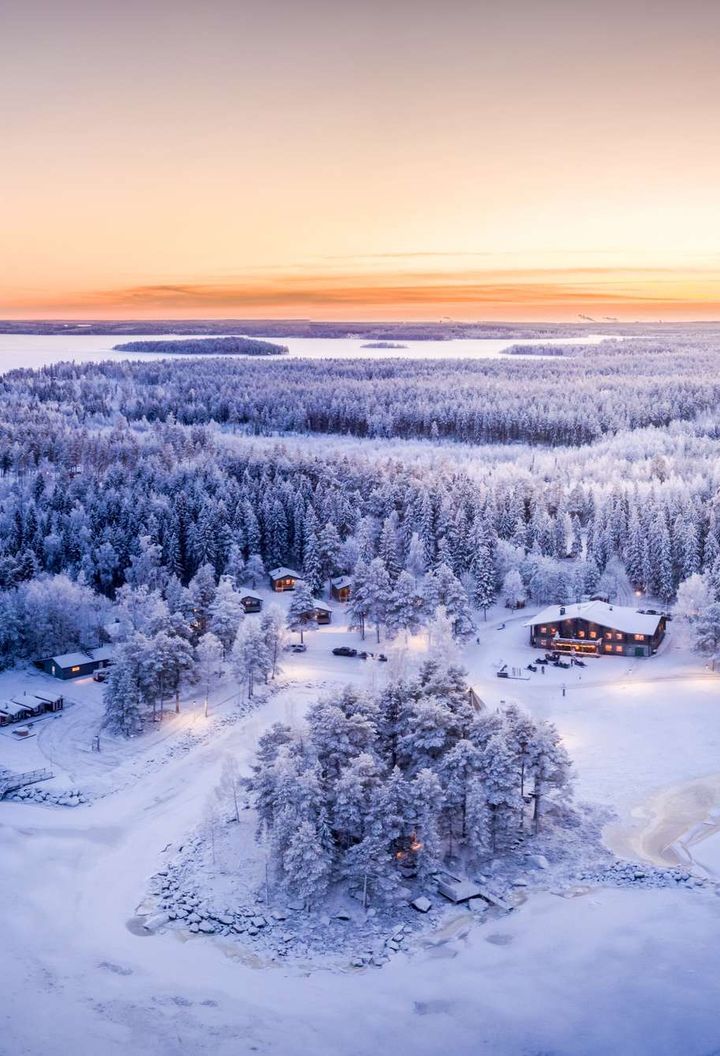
(206, 346)
(283, 328)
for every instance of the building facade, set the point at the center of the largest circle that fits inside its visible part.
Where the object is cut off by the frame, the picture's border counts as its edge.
(597, 628)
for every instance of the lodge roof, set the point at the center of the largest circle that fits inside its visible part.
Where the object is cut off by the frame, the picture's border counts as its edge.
(64, 660)
(252, 594)
(341, 582)
(616, 617)
(284, 573)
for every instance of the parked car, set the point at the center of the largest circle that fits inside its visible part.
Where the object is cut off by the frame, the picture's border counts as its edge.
(382, 657)
(363, 655)
(344, 650)
(100, 676)
(299, 647)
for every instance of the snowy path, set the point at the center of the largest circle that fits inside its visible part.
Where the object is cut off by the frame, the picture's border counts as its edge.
(559, 975)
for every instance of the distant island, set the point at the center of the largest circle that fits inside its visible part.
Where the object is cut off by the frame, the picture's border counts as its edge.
(206, 346)
(383, 344)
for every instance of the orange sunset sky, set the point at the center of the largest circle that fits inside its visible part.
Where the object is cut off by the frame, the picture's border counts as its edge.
(531, 159)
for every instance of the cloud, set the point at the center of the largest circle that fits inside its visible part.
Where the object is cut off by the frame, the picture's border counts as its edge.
(562, 291)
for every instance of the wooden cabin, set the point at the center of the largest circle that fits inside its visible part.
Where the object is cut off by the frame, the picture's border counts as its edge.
(250, 601)
(597, 628)
(322, 613)
(77, 665)
(340, 588)
(282, 579)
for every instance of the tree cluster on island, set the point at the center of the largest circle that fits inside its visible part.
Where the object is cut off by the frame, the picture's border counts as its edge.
(374, 791)
(206, 346)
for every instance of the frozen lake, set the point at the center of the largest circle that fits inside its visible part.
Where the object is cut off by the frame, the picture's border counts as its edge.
(39, 350)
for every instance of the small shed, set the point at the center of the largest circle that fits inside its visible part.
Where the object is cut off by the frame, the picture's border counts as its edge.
(322, 613)
(15, 712)
(250, 601)
(283, 578)
(341, 587)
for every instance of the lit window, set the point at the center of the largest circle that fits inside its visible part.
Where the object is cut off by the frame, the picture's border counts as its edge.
(618, 636)
(618, 648)
(608, 648)
(581, 634)
(639, 637)
(74, 669)
(543, 630)
(593, 634)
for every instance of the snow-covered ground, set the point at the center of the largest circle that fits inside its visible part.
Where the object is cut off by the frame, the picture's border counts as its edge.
(629, 971)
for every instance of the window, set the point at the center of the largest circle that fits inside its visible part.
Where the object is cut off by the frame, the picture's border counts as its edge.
(639, 637)
(608, 648)
(608, 634)
(618, 648)
(581, 634)
(543, 630)
(74, 670)
(618, 636)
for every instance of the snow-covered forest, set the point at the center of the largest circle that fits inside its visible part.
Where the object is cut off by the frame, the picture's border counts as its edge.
(116, 477)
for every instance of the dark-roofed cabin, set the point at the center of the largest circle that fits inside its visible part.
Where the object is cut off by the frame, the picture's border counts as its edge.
(340, 588)
(250, 601)
(282, 579)
(76, 665)
(597, 628)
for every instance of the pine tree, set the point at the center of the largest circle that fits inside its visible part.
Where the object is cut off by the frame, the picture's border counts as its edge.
(406, 609)
(306, 864)
(251, 659)
(123, 696)
(483, 571)
(312, 569)
(358, 608)
(416, 562)
(254, 570)
(202, 595)
(378, 592)
(226, 613)
(209, 654)
(301, 614)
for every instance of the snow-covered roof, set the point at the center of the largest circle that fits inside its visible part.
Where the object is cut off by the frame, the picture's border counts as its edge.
(617, 617)
(104, 652)
(284, 573)
(10, 707)
(341, 581)
(72, 659)
(322, 606)
(250, 594)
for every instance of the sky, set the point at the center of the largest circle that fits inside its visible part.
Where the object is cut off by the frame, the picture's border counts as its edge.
(390, 159)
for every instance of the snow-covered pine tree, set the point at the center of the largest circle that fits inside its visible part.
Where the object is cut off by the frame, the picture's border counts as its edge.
(226, 613)
(251, 659)
(209, 654)
(301, 613)
(378, 592)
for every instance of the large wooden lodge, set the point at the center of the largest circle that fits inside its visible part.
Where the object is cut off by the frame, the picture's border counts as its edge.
(597, 628)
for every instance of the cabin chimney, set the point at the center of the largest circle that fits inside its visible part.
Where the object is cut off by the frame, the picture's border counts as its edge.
(562, 610)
